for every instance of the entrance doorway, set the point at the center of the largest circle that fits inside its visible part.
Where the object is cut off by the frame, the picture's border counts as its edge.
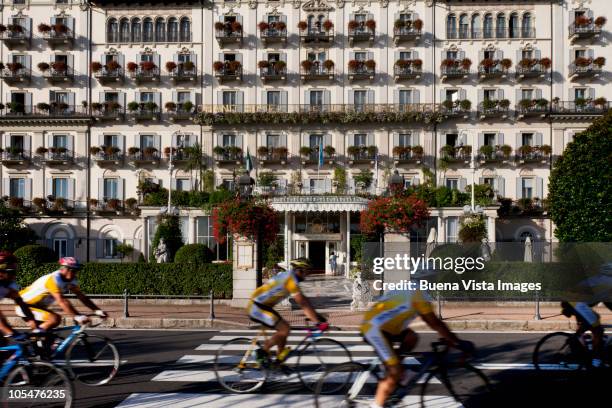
(316, 252)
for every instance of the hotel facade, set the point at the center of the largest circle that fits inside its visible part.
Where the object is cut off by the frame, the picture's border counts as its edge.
(98, 97)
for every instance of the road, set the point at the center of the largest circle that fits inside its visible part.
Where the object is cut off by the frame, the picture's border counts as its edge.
(174, 368)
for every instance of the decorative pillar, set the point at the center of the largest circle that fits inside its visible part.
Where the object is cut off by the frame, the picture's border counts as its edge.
(193, 236)
(145, 238)
(491, 228)
(287, 239)
(244, 273)
(441, 229)
(396, 244)
(347, 267)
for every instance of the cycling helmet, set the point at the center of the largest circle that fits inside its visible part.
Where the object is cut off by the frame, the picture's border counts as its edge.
(70, 262)
(301, 263)
(8, 262)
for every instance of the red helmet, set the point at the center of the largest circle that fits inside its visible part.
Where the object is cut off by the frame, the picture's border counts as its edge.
(8, 262)
(70, 262)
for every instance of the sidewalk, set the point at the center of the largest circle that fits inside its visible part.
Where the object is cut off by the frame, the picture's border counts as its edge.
(472, 316)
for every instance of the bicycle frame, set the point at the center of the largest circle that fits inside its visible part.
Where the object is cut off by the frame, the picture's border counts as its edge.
(12, 361)
(76, 331)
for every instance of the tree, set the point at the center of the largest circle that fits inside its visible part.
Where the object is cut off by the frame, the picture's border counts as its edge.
(13, 232)
(580, 188)
(168, 228)
(195, 162)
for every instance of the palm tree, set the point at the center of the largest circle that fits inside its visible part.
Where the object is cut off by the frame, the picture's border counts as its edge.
(194, 161)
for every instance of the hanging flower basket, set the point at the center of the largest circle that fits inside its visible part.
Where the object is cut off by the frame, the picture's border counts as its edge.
(393, 214)
(245, 218)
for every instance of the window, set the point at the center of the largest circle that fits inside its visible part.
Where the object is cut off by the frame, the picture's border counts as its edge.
(60, 188)
(136, 30)
(476, 26)
(147, 141)
(452, 139)
(173, 30)
(488, 26)
(60, 246)
(489, 139)
(315, 140)
(183, 185)
(182, 58)
(160, 30)
(527, 26)
(229, 98)
(228, 184)
(405, 55)
(360, 100)
(452, 183)
(526, 54)
(147, 30)
(185, 29)
(17, 142)
(110, 248)
(17, 187)
(273, 141)
(111, 140)
(124, 30)
(527, 139)
(229, 140)
(527, 187)
(60, 141)
(146, 57)
(452, 229)
(404, 139)
(317, 186)
(111, 189)
(501, 26)
(580, 93)
(490, 181)
(316, 98)
(527, 94)
(514, 26)
(112, 31)
(490, 94)
(183, 97)
(452, 95)
(405, 97)
(146, 97)
(273, 98)
(463, 26)
(360, 139)
(451, 26)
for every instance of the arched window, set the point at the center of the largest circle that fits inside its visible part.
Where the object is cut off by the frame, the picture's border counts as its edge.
(147, 30)
(112, 31)
(124, 30)
(476, 26)
(501, 26)
(160, 30)
(527, 26)
(172, 29)
(464, 26)
(514, 26)
(451, 26)
(488, 26)
(319, 22)
(311, 23)
(185, 29)
(136, 30)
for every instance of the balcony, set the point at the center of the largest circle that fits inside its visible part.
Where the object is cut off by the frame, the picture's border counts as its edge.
(533, 154)
(180, 111)
(15, 74)
(320, 38)
(407, 154)
(362, 154)
(58, 205)
(144, 112)
(145, 73)
(228, 71)
(586, 68)
(456, 109)
(532, 108)
(228, 33)
(494, 154)
(107, 75)
(407, 70)
(271, 190)
(148, 155)
(310, 155)
(109, 111)
(183, 72)
(489, 109)
(361, 32)
(179, 155)
(106, 155)
(451, 70)
(583, 28)
(43, 111)
(55, 156)
(270, 72)
(532, 68)
(19, 204)
(458, 155)
(228, 155)
(277, 33)
(107, 206)
(14, 156)
(580, 108)
(493, 69)
(14, 36)
(57, 35)
(272, 155)
(317, 72)
(361, 70)
(405, 31)
(57, 73)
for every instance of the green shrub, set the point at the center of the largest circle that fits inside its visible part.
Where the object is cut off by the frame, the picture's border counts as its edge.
(194, 253)
(32, 256)
(171, 279)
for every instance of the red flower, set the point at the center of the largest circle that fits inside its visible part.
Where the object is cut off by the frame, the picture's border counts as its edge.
(393, 214)
(245, 218)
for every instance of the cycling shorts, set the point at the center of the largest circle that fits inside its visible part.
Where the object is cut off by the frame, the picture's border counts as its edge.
(382, 342)
(40, 313)
(262, 314)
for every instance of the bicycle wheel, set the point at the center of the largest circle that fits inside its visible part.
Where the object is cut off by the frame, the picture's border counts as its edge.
(559, 351)
(236, 367)
(346, 385)
(45, 377)
(92, 360)
(466, 384)
(319, 355)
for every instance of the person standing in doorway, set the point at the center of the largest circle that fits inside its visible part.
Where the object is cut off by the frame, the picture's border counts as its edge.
(333, 262)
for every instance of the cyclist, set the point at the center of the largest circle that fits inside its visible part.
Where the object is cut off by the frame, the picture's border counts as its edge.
(51, 288)
(9, 289)
(387, 322)
(260, 307)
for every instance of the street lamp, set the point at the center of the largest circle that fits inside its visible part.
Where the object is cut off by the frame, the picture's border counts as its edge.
(473, 208)
(169, 210)
(396, 182)
(245, 185)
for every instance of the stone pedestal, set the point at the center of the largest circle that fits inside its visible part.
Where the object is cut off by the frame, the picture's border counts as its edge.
(244, 270)
(396, 244)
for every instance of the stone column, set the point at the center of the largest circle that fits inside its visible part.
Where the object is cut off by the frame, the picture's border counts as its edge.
(244, 272)
(396, 244)
(441, 229)
(491, 228)
(347, 266)
(287, 238)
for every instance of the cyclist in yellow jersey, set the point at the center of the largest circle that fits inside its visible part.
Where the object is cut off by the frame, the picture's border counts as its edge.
(51, 288)
(285, 284)
(387, 322)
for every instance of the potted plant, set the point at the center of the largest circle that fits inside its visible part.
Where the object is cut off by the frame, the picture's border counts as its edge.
(600, 21)
(329, 151)
(580, 102)
(96, 67)
(112, 65)
(149, 152)
(525, 104)
(187, 106)
(307, 65)
(465, 104)
(371, 65)
(417, 151)
(93, 204)
(263, 64)
(280, 152)
(263, 26)
(45, 107)
(601, 101)
(354, 65)
(448, 104)
(59, 66)
(306, 151)
(147, 66)
(372, 151)
(170, 66)
(525, 150)
(41, 151)
(44, 28)
(466, 150)
(354, 150)
(132, 67)
(131, 205)
(546, 150)
(188, 66)
(219, 26)
(40, 204)
(97, 106)
(486, 151)
(448, 63)
(94, 150)
(582, 62)
(219, 150)
(234, 66)
(504, 103)
(133, 151)
(113, 204)
(466, 63)
(218, 66)
(43, 67)
(448, 151)
(328, 65)
(542, 103)
(133, 106)
(399, 24)
(546, 63)
(371, 24)
(262, 151)
(353, 25)
(279, 66)
(280, 25)
(16, 202)
(582, 21)
(599, 61)
(506, 63)
(402, 64)
(302, 25)
(170, 106)
(60, 28)
(399, 151)
(328, 25)
(236, 27)
(59, 204)
(235, 152)
(2, 28)
(15, 28)
(151, 106)
(417, 24)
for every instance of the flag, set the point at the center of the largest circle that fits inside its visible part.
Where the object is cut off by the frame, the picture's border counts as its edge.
(249, 162)
(321, 154)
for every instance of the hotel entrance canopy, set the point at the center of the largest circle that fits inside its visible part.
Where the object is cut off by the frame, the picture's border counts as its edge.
(310, 203)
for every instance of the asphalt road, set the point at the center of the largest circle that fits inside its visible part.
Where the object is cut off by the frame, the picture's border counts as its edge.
(153, 376)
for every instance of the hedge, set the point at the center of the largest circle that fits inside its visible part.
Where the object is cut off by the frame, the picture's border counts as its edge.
(146, 278)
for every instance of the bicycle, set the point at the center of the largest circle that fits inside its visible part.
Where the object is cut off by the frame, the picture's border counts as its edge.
(568, 351)
(465, 383)
(89, 358)
(242, 373)
(21, 373)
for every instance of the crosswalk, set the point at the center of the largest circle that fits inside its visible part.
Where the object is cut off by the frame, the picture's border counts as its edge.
(196, 370)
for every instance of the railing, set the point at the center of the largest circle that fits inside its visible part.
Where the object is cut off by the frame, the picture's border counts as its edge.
(532, 70)
(14, 155)
(590, 69)
(407, 156)
(317, 71)
(180, 113)
(273, 33)
(179, 155)
(584, 30)
(227, 72)
(455, 110)
(361, 32)
(407, 32)
(58, 156)
(505, 32)
(273, 156)
(145, 114)
(313, 157)
(493, 71)
(493, 156)
(272, 72)
(332, 108)
(588, 108)
(229, 156)
(274, 189)
(108, 113)
(228, 34)
(531, 156)
(106, 204)
(533, 109)
(55, 74)
(58, 35)
(18, 203)
(145, 74)
(60, 204)
(143, 156)
(456, 156)
(32, 112)
(312, 35)
(103, 156)
(109, 74)
(182, 73)
(9, 35)
(408, 72)
(454, 72)
(362, 155)
(484, 109)
(15, 75)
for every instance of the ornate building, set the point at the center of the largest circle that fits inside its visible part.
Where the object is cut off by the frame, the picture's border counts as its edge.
(96, 95)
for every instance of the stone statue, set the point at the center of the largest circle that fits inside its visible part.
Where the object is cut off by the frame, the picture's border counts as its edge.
(161, 252)
(362, 295)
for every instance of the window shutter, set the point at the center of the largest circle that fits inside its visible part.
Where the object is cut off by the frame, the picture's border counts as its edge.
(158, 100)
(283, 18)
(415, 54)
(122, 98)
(219, 97)
(591, 53)
(306, 97)
(53, 20)
(49, 186)
(70, 143)
(500, 94)
(500, 139)
(443, 56)
(538, 54)
(28, 189)
(71, 101)
(327, 139)
(395, 140)
(519, 189)
(499, 54)
(71, 24)
(462, 184)
(137, 96)
(240, 100)
(538, 139)
(265, 56)
(370, 55)
(442, 95)
(239, 57)
(284, 100)
(501, 186)
(174, 96)
(480, 139)
(157, 59)
(71, 189)
(283, 140)
(27, 145)
(591, 93)
(519, 55)
(239, 141)
(480, 180)
(351, 55)
(416, 181)
(121, 143)
(519, 140)
(283, 57)
(221, 57)
(239, 19)
(28, 102)
(6, 187)
(326, 97)
(137, 141)
(371, 141)
(396, 56)
(370, 96)
(481, 55)
(28, 26)
(49, 139)
(264, 97)
(101, 96)
(480, 95)
(416, 96)
(157, 142)
(538, 93)
(28, 62)
(539, 187)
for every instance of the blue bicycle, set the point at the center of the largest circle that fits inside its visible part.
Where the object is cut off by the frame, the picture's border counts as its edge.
(31, 383)
(89, 358)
